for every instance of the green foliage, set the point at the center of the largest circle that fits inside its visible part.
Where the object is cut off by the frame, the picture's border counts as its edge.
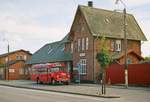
(147, 59)
(1, 65)
(103, 56)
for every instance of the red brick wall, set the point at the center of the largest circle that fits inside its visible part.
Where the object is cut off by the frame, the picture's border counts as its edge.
(134, 59)
(132, 45)
(94, 46)
(88, 53)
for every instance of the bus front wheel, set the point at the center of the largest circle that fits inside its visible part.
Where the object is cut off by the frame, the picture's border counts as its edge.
(53, 81)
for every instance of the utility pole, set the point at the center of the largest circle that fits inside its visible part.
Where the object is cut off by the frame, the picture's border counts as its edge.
(125, 49)
(125, 42)
(8, 61)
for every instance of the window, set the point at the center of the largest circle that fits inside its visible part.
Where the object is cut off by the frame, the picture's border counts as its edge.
(118, 45)
(21, 71)
(6, 59)
(50, 51)
(83, 47)
(25, 57)
(79, 42)
(1, 71)
(82, 28)
(112, 47)
(11, 70)
(82, 66)
(19, 58)
(26, 71)
(71, 47)
(63, 49)
(78, 29)
(87, 43)
(129, 61)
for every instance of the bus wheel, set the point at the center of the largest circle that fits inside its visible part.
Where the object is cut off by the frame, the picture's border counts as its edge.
(53, 81)
(37, 80)
(66, 83)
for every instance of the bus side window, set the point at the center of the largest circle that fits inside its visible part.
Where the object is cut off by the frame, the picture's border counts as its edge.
(49, 70)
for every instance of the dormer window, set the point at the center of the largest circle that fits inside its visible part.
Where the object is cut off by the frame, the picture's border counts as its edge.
(50, 51)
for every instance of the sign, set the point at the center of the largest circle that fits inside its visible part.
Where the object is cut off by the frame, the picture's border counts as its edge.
(82, 54)
(79, 71)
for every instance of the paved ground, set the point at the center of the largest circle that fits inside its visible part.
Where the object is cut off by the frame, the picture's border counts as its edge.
(132, 94)
(10, 94)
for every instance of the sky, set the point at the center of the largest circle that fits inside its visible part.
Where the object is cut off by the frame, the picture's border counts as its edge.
(30, 24)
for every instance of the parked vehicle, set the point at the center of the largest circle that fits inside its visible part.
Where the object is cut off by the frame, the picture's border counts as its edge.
(50, 73)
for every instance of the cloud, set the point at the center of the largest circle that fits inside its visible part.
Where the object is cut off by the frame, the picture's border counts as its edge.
(132, 2)
(29, 24)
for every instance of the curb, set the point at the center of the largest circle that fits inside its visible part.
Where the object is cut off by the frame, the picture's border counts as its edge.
(73, 93)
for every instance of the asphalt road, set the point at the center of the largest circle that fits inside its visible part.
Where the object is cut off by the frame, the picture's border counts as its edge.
(10, 94)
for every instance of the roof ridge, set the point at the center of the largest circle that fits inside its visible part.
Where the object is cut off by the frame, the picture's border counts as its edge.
(5, 54)
(103, 9)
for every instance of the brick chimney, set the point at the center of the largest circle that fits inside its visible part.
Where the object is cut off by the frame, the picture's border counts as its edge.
(90, 3)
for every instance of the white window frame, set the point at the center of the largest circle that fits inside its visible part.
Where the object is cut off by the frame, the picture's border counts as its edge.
(118, 45)
(79, 45)
(83, 44)
(25, 57)
(21, 71)
(87, 43)
(112, 47)
(71, 47)
(83, 67)
(19, 57)
(6, 59)
(50, 51)
(26, 72)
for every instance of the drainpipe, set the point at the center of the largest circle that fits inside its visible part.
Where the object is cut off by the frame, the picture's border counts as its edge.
(93, 62)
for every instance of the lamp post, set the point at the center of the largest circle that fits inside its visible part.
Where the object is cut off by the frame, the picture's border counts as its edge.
(125, 41)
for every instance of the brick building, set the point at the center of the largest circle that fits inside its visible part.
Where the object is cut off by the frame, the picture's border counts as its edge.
(12, 65)
(89, 25)
(83, 42)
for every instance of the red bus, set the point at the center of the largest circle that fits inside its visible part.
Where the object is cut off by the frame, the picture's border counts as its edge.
(50, 73)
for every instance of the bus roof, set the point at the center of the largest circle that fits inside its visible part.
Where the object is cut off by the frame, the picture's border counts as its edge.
(49, 65)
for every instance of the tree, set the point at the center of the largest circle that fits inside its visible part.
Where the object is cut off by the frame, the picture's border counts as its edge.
(104, 59)
(147, 59)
